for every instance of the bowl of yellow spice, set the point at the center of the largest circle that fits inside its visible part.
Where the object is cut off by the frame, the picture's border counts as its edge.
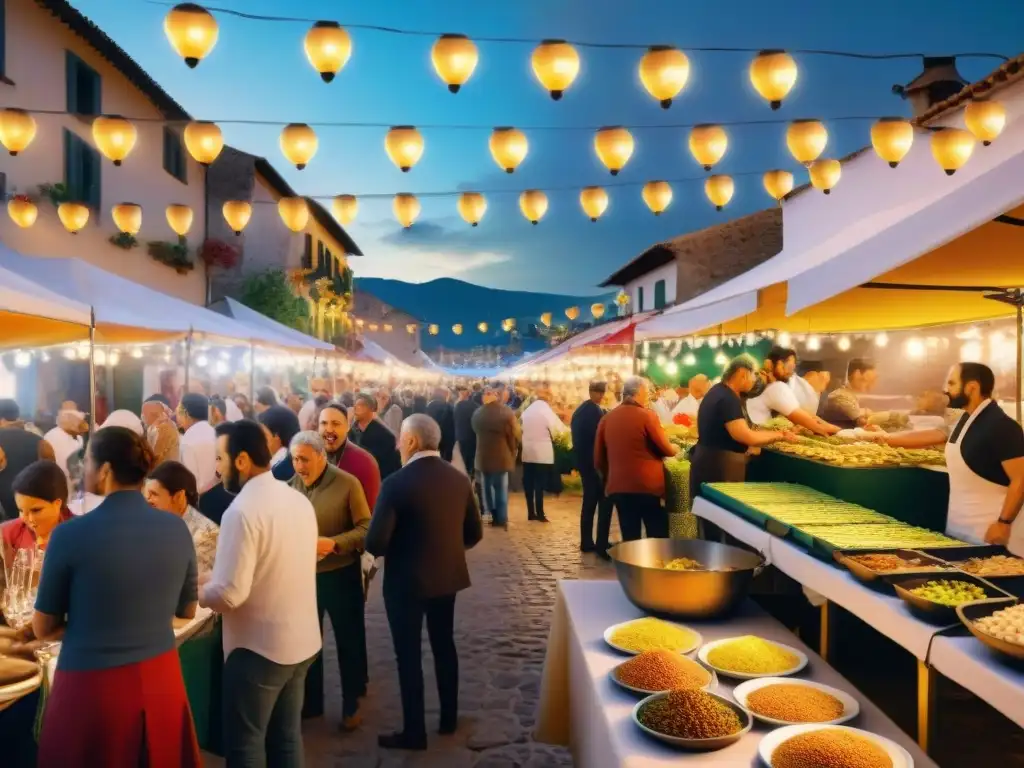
(650, 634)
(750, 657)
(784, 701)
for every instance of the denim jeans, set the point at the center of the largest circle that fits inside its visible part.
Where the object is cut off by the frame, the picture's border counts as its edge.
(263, 711)
(496, 496)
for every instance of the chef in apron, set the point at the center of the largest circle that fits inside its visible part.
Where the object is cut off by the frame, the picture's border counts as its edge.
(985, 460)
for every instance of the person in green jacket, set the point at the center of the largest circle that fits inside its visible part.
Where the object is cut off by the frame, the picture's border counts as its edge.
(343, 517)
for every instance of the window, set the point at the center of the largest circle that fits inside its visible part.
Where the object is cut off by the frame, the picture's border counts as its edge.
(640, 299)
(174, 155)
(659, 294)
(83, 85)
(81, 171)
(307, 252)
(319, 257)
(3, 38)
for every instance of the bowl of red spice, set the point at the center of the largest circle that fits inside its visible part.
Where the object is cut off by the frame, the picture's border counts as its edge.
(695, 719)
(661, 671)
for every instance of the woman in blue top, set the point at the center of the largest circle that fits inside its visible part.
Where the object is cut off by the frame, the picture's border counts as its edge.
(111, 584)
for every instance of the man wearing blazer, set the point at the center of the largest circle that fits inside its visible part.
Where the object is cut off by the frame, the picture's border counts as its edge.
(425, 519)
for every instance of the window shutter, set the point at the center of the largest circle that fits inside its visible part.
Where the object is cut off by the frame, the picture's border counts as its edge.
(659, 294)
(307, 252)
(95, 175)
(71, 78)
(72, 165)
(167, 150)
(640, 299)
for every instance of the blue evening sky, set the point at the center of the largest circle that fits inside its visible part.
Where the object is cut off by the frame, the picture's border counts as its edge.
(259, 71)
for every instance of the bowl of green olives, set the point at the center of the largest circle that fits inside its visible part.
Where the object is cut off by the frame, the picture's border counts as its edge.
(935, 599)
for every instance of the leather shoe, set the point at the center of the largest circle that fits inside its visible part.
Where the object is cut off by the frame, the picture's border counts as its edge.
(543, 519)
(603, 554)
(587, 548)
(402, 740)
(447, 727)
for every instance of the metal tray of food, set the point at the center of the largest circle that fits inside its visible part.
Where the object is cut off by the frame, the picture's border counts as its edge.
(959, 556)
(971, 612)
(875, 578)
(939, 613)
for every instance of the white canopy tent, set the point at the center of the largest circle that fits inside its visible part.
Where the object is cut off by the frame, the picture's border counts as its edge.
(250, 317)
(31, 315)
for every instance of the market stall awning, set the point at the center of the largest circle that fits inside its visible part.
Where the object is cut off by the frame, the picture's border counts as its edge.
(32, 316)
(126, 312)
(248, 316)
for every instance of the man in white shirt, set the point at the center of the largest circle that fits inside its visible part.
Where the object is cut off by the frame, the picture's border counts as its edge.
(809, 384)
(664, 405)
(699, 386)
(66, 437)
(198, 441)
(264, 584)
(778, 397)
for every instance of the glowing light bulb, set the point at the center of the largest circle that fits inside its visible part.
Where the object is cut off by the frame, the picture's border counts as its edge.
(843, 344)
(813, 343)
(882, 340)
(689, 359)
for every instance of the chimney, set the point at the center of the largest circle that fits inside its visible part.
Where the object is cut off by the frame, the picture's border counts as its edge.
(939, 81)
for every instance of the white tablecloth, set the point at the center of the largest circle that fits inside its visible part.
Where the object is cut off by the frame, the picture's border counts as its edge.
(970, 663)
(582, 708)
(886, 613)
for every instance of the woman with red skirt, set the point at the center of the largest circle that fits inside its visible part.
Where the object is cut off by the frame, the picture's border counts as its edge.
(112, 580)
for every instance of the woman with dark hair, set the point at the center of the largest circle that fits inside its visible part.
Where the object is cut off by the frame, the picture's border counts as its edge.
(41, 497)
(112, 582)
(172, 488)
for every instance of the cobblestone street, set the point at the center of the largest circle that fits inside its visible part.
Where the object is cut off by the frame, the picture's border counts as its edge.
(501, 633)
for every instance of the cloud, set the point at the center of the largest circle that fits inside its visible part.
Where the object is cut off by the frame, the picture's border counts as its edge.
(420, 265)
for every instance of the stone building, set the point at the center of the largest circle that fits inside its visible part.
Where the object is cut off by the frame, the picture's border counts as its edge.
(389, 327)
(677, 270)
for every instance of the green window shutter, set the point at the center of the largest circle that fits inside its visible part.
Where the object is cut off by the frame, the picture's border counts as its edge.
(72, 165)
(659, 294)
(94, 174)
(71, 77)
(640, 299)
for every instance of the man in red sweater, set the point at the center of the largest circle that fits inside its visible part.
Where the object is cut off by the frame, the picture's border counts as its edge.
(346, 455)
(629, 452)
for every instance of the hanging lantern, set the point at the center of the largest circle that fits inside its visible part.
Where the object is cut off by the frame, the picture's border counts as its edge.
(572, 313)
(388, 327)
(657, 195)
(951, 148)
(708, 144)
(294, 212)
(237, 214)
(433, 329)
(328, 47)
(614, 147)
(892, 138)
(508, 148)
(299, 143)
(204, 141)
(985, 119)
(482, 327)
(73, 216)
(622, 298)
(778, 184)
(555, 64)
(127, 218)
(345, 208)
(22, 211)
(410, 328)
(114, 136)
(373, 327)
(457, 329)
(825, 174)
(17, 129)
(773, 75)
(192, 32)
(404, 146)
(545, 319)
(664, 71)
(806, 140)
(454, 57)
(597, 310)
(594, 201)
(407, 209)
(472, 206)
(719, 190)
(508, 324)
(534, 204)
(179, 217)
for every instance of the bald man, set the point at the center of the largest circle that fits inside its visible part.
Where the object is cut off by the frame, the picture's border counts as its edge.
(688, 405)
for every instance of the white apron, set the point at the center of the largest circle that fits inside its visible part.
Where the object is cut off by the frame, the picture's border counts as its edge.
(974, 502)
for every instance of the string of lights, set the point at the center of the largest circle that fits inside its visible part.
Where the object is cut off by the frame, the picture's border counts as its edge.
(391, 30)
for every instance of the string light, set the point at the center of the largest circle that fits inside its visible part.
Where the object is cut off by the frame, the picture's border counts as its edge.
(952, 148)
(114, 136)
(455, 58)
(555, 64)
(345, 208)
(294, 212)
(22, 211)
(843, 344)
(328, 48)
(508, 148)
(614, 146)
(985, 119)
(657, 195)
(915, 348)
(689, 359)
(179, 217)
(204, 141)
(825, 174)
(192, 32)
(237, 214)
(17, 130)
(534, 204)
(708, 144)
(404, 146)
(664, 72)
(778, 184)
(721, 359)
(74, 216)
(806, 140)
(882, 340)
(298, 144)
(127, 218)
(891, 138)
(406, 209)
(773, 75)
(594, 201)
(813, 343)
(719, 190)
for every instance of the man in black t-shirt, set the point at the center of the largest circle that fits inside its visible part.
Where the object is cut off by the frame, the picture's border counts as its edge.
(723, 435)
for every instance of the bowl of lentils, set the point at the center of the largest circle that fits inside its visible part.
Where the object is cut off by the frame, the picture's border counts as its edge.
(662, 671)
(692, 719)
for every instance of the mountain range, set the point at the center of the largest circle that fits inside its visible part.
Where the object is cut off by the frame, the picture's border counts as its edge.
(447, 301)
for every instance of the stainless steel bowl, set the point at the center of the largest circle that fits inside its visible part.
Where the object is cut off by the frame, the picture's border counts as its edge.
(704, 594)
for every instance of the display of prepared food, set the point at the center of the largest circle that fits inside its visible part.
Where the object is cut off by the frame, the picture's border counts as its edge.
(751, 655)
(858, 454)
(788, 493)
(996, 565)
(661, 670)
(895, 535)
(650, 634)
(830, 747)
(690, 715)
(1005, 624)
(887, 562)
(795, 703)
(950, 592)
(823, 514)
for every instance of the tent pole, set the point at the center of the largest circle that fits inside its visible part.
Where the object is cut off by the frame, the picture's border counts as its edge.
(188, 359)
(92, 370)
(252, 372)
(1020, 334)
